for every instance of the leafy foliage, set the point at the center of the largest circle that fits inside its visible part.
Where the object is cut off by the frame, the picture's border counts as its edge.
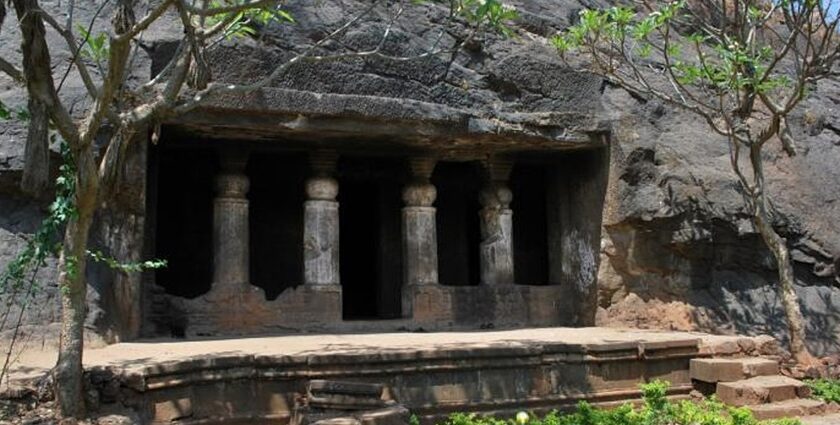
(825, 389)
(7, 113)
(99, 257)
(495, 13)
(45, 242)
(656, 409)
(94, 47)
(716, 64)
(244, 23)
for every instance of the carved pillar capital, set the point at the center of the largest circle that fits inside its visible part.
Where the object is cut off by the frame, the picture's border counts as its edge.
(232, 186)
(322, 188)
(419, 195)
(495, 195)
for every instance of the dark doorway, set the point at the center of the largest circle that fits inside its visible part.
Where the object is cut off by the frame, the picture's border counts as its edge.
(530, 224)
(276, 220)
(370, 240)
(184, 215)
(458, 233)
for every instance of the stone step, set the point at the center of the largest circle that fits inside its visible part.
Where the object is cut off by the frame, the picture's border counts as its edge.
(788, 409)
(760, 390)
(729, 370)
(394, 415)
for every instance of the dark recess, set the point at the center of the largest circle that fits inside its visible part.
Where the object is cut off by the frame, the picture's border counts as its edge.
(458, 230)
(530, 224)
(276, 220)
(184, 231)
(370, 237)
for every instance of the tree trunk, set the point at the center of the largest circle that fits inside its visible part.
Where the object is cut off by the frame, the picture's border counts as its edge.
(777, 245)
(68, 370)
(73, 290)
(790, 301)
(39, 84)
(36, 165)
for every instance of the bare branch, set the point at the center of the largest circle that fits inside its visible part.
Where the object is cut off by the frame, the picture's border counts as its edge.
(219, 88)
(76, 49)
(10, 70)
(144, 22)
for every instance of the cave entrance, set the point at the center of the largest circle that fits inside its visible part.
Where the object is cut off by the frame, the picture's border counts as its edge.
(530, 224)
(184, 215)
(276, 220)
(370, 237)
(458, 228)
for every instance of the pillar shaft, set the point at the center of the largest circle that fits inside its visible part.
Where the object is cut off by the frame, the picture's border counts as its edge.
(320, 225)
(496, 248)
(420, 235)
(230, 231)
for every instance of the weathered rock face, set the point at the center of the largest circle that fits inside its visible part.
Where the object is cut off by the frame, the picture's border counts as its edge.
(678, 250)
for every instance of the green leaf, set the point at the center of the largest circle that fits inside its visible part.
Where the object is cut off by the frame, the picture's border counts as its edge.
(5, 113)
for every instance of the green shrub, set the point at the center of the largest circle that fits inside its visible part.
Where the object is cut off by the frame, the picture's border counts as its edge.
(825, 389)
(656, 409)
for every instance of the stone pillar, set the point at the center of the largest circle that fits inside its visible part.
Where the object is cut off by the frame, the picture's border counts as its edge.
(230, 225)
(420, 261)
(496, 250)
(320, 222)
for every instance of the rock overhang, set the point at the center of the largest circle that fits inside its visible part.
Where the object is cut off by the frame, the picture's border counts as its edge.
(499, 94)
(351, 121)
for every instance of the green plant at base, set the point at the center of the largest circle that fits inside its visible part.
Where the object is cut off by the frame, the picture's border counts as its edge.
(656, 409)
(827, 390)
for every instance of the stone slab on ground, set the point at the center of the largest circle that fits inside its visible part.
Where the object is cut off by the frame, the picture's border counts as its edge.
(498, 372)
(729, 370)
(394, 415)
(789, 409)
(163, 353)
(760, 390)
(832, 419)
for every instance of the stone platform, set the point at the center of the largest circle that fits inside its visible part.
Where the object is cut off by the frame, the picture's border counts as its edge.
(256, 380)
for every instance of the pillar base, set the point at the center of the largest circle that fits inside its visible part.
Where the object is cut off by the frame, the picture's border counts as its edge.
(440, 306)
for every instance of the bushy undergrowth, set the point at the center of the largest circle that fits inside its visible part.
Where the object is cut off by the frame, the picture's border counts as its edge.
(655, 410)
(827, 390)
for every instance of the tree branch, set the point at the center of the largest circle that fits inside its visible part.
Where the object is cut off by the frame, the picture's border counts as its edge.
(76, 60)
(144, 22)
(10, 70)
